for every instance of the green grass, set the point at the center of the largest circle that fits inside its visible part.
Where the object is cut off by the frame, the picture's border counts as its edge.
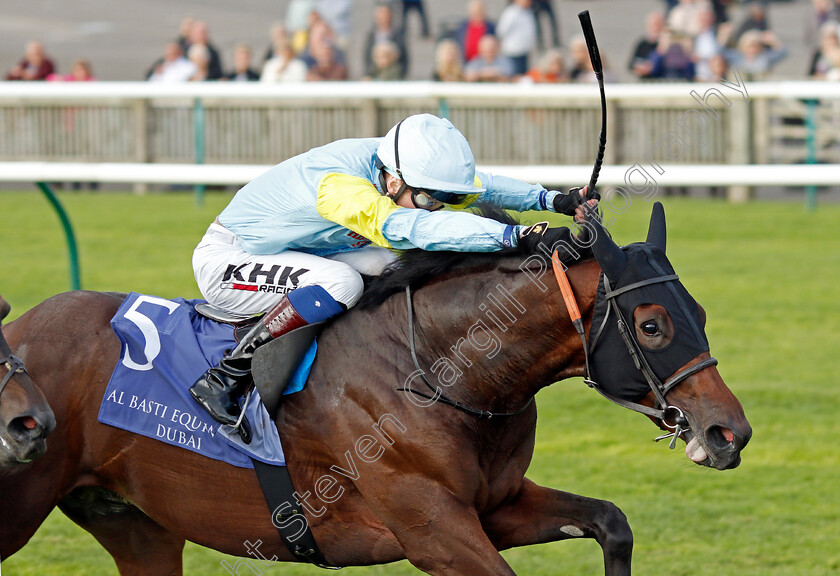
(768, 276)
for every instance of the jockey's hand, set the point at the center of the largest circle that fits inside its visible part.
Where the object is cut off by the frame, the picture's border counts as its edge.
(531, 237)
(569, 203)
(586, 205)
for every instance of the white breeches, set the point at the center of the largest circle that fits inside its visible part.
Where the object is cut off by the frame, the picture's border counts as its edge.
(236, 281)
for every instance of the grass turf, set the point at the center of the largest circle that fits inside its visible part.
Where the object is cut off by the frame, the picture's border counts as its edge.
(767, 275)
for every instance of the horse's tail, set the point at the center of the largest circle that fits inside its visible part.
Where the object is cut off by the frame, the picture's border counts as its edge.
(4, 308)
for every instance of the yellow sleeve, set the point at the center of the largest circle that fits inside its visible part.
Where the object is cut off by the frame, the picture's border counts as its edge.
(469, 200)
(356, 204)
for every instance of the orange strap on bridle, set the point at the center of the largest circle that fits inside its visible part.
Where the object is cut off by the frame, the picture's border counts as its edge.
(565, 288)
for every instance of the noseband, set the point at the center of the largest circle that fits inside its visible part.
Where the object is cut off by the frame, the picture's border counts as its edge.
(671, 416)
(14, 365)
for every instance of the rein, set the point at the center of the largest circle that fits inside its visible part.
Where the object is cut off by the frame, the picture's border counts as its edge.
(663, 411)
(438, 396)
(14, 365)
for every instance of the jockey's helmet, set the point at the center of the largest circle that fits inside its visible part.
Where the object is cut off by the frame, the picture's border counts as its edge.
(428, 153)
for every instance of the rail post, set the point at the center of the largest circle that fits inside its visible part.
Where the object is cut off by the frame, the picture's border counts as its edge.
(75, 277)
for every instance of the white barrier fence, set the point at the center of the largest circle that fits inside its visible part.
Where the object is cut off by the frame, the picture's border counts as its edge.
(634, 179)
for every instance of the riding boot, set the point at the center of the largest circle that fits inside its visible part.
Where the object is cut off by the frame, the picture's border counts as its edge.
(220, 387)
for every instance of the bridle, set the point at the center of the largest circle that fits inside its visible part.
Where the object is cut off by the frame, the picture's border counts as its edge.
(14, 365)
(671, 416)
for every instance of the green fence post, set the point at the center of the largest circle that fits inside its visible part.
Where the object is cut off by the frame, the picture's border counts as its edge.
(811, 142)
(443, 108)
(75, 277)
(198, 124)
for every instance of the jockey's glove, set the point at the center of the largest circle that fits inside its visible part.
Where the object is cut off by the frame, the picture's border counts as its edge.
(567, 202)
(552, 239)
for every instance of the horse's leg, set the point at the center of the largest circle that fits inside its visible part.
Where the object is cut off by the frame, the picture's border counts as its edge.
(538, 515)
(438, 533)
(138, 545)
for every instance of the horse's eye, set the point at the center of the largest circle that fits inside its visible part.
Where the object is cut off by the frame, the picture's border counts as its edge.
(650, 328)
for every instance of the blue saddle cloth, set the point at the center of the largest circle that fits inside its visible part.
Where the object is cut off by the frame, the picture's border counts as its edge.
(166, 347)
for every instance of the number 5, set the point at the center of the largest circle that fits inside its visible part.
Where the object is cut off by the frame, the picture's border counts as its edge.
(147, 327)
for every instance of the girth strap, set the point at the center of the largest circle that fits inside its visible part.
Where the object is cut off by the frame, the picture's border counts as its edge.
(287, 516)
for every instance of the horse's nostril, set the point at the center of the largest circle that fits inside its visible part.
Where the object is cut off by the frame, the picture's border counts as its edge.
(25, 428)
(720, 437)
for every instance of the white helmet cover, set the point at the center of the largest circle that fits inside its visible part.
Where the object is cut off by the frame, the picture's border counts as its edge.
(433, 155)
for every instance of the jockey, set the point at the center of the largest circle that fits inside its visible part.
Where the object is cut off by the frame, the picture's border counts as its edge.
(295, 240)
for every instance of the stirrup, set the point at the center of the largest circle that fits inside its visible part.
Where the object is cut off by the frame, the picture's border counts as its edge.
(242, 426)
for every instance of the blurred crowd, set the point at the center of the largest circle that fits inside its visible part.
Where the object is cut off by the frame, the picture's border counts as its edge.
(687, 40)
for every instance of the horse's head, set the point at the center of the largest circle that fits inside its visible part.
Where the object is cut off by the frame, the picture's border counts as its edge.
(25, 417)
(648, 345)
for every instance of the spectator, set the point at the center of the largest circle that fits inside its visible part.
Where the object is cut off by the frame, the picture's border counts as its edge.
(200, 35)
(640, 63)
(829, 39)
(384, 31)
(80, 72)
(756, 20)
(672, 59)
(517, 31)
(386, 65)
(339, 15)
(301, 38)
(544, 7)
(415, 6)
(833, 56)
(199, 55)
(173, 67)
(682, 19)
(184, 32)
(757, 53)
(279, 40)
(582, 71)
(320, 34)
(473, 29)
(325, 64)
(34, 66)
(718, 68)
(298, 15)
(284, 67)
(706, 44)
(242, 71)
(826, 11)
(489, 65)
(552, 69)
(448, 67)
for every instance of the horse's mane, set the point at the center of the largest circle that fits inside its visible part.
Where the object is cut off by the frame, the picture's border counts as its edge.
(416, 267)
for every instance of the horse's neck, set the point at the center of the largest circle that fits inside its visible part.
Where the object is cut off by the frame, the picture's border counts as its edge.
(506, 337)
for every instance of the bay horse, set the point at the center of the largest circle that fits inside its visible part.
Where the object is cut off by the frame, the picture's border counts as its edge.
(381, 474)
(25, 417)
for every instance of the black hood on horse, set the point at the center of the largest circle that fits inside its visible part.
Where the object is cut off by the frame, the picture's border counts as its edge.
(634, 275)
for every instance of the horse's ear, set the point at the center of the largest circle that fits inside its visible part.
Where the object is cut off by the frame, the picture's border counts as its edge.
(656, 230)
(4, 308)
(609, 255)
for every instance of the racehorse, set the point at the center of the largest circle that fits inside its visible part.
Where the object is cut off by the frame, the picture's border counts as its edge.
(25, 417)
(383, 470)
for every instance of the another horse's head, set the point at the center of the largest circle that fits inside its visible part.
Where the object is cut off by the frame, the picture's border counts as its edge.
(648, 345)
(25, 417)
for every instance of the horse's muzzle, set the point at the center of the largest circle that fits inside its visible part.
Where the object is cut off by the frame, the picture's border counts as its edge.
(724, 445)
(25, 436)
